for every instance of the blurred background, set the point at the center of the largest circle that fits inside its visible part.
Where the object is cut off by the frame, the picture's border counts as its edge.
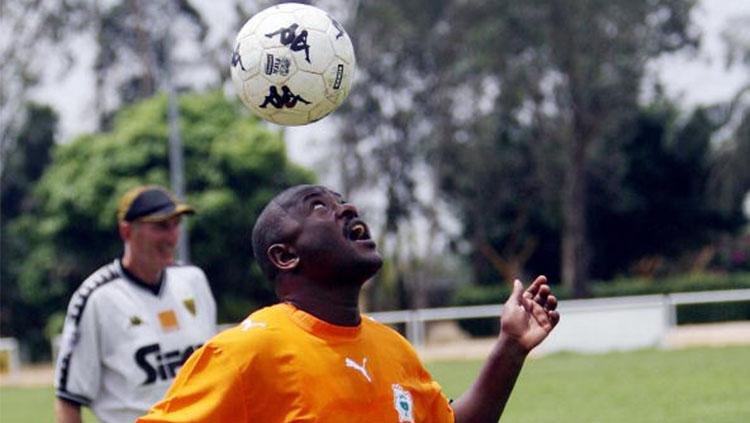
(604, 143)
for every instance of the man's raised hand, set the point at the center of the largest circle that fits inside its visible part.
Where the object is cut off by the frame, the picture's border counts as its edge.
(530, 315)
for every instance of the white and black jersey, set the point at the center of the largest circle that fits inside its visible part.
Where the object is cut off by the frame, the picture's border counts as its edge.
(124, 341)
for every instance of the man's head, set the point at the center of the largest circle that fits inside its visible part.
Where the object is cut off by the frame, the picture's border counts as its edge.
(310, 231)
(148, 219)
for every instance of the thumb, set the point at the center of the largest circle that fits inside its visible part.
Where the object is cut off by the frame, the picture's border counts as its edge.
(516, 295)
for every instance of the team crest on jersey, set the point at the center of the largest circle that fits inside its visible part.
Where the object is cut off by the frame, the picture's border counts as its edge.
(189, 305)
(403, 404)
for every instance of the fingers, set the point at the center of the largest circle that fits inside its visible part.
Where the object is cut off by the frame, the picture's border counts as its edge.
(539, 301)
(554, 318)
(538, 292)
(551, 303)
(535, 286)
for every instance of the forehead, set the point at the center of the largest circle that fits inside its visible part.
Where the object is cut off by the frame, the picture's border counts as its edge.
(169, 222)
(301, 195)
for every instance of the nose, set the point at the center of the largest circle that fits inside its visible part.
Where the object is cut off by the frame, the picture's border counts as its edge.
(170, 229)
(174, 233)
(347, 211)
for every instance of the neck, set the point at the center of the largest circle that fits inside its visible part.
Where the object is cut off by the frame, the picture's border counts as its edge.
(143, 272)
(337, 305)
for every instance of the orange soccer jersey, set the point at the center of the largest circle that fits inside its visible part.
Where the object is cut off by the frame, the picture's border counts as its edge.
(284, 365)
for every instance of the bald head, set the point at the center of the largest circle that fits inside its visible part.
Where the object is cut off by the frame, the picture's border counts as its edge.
(275, 225)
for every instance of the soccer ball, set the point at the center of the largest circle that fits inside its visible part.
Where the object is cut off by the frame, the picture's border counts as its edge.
(292, 64)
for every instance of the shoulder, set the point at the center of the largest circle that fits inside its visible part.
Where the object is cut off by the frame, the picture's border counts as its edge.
(188, 276)
(379, 329)
(93, 288)
(261, 332)
(387, 338)
(187, 271)
(97, 281)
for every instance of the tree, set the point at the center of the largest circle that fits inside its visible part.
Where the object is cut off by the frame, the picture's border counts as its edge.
(137, 42)
(474, 81)
(662, 210)
(600, 49)
(31, 29)
(233, 167)
(23, 166)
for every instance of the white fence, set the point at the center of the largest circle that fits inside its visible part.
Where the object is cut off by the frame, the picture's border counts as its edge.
(592, 325)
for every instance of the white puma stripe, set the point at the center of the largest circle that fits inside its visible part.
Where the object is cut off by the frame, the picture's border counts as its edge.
(354, 365)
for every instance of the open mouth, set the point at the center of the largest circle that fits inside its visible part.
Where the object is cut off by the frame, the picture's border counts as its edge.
(356, 230)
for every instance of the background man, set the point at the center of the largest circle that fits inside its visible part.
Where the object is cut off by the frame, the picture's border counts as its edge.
(132, 323)
(313, 357)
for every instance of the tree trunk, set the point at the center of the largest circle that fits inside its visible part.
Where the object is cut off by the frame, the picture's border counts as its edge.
(575, 257)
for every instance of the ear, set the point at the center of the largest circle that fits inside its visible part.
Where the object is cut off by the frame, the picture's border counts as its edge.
(283, 256)
(125, 229)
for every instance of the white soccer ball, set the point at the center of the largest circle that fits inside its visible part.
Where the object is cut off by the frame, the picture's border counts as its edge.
(292, 64)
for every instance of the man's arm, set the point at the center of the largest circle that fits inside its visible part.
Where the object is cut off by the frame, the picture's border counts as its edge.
(67, 412)
(528, 317)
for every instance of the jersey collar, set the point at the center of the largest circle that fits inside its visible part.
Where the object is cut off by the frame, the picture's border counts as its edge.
(135, 280)
(315, 326)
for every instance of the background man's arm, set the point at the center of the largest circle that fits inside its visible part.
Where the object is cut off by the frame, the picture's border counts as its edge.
(67, 412)
(528, 317)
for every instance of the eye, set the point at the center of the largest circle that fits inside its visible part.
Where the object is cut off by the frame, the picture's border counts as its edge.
(318, 205)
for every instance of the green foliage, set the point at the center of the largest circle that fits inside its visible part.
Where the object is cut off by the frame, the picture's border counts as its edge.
(619, 287)
(662, 206)
(678, 283)
(233, 166)
(481, 295)
(501, 105)
(22, 165)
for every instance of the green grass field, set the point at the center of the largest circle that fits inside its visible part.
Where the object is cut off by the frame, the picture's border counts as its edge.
(692, 385)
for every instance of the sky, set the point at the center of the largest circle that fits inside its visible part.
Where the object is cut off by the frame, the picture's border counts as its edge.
(695, 78)
(703, 78)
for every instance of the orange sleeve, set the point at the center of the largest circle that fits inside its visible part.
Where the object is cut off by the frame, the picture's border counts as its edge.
(440, 407)
(208, 388)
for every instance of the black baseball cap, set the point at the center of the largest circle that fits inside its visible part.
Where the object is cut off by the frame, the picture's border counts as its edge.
(150, 203)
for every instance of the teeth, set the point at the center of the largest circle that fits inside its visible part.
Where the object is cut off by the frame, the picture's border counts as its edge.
(358, 231)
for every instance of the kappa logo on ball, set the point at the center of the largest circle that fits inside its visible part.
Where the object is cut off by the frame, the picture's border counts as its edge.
(403, 403)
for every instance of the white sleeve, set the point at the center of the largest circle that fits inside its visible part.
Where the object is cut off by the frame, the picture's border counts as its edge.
(78, 367)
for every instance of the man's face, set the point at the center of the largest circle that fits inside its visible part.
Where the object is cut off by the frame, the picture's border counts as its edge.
(153, 244)
(332, 241)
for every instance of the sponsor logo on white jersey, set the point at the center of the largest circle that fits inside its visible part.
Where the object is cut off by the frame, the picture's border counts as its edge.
(159, 365)
(362, 369)
(403, 404)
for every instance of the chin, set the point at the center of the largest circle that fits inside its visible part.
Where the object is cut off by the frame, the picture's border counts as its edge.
(371, 265)
(168, 261)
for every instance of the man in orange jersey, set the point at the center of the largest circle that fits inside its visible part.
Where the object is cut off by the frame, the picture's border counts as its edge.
(315, 358)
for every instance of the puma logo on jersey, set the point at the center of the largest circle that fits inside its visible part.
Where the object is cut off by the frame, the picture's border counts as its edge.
(248, 323)
(354, 365)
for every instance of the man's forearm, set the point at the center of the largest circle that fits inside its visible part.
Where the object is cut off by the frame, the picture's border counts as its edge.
(486, 398)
